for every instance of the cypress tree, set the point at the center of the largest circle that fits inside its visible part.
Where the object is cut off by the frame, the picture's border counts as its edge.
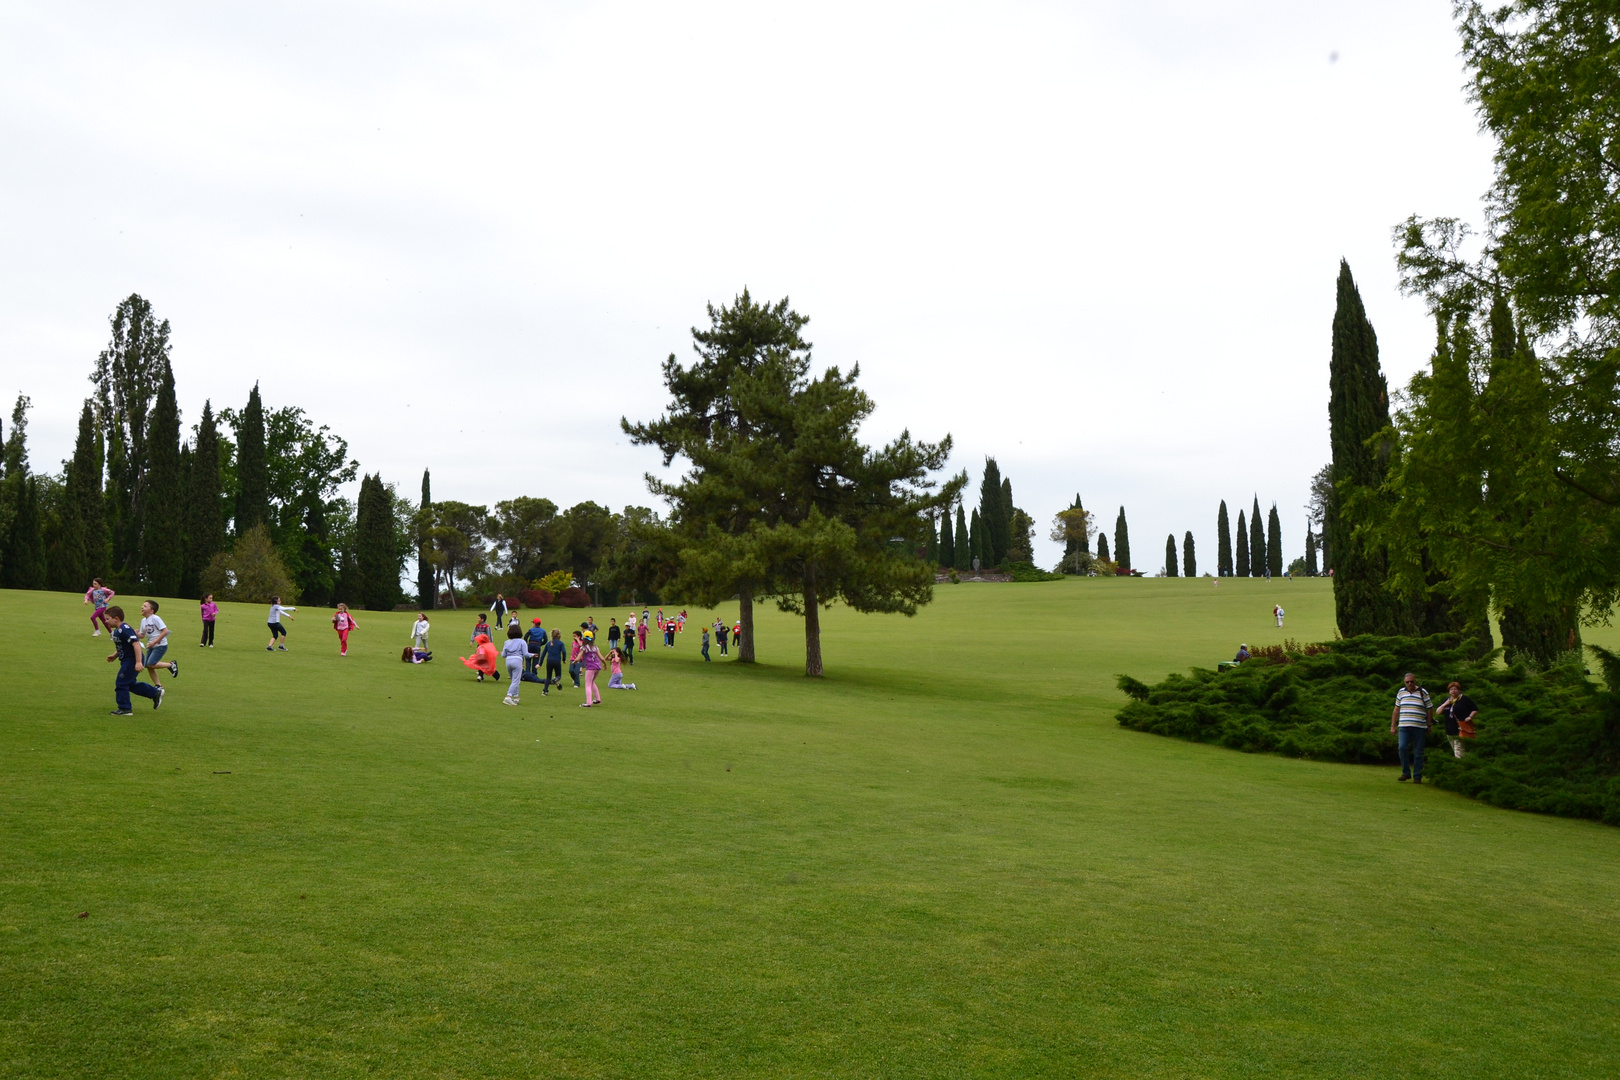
(1358, 408)
(947, 543)
(931, 551)
(1243, 547)
(375, 559)
(1102, 547)
(115, 500)
(252, 468)
(1122, 541)
(162, 524)
(1006, 520)
(1310, 553)
(1170, 556)
(1189, 557)
(964, 545)
(205, 512)
(989, 542)
(426, 581)
(1223, 543)
(976, 538)
(84, 491)
(25, 566)
(1274, 554)
(1257, 542)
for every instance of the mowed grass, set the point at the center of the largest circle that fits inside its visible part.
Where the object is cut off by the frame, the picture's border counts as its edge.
(945, 859)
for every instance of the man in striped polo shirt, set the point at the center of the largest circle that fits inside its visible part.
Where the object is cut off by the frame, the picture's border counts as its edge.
(1409, 723)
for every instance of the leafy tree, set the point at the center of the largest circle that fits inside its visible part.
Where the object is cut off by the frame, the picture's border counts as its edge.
(127, 377)
(1358, 419)
(991, 546)
(964, 542)
(530, 537)
(1243, 566)
(1072, 528)
(1223, 543)
(1023, 534)
(205, 528)
(642, 553)
(947, 540)
(1189, 557)
(427, 588)
(65, 562)
(1122, 541)
(1274, 556)
(251, 572)
(1170, 569)
(588, 533)
(457, 532)
(252, 465)
(162, 537)
(750, 355)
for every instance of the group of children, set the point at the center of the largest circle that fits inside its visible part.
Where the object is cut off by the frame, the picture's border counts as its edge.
(523, 653)
(134, 650)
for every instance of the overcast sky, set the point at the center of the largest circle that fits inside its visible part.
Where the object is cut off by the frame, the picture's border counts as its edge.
(1096, 240)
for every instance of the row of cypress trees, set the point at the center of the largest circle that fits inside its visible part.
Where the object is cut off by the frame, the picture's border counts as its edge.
(995, 531)
(1259, 548)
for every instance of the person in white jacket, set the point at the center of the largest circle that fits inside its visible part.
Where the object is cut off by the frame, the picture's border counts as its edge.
(1278, 611)
(419, 632)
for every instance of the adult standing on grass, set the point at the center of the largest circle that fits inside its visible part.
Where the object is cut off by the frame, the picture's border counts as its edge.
(1409, 723)
(343, 622)
(1458, 712)
(1276, 609)
(499, 608)
(98, 596)
(515, 651)
(127, 651)
(591, 661)
(156, 633)
(210, 613)
(277, 631)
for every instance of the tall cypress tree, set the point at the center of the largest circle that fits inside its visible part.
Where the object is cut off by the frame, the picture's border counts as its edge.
(931, 548)
(1310, 553)
(426, 580)
(1122, 541)
(1189, 557)
(964, 541)
(1102, 546)
(127, 376)
(84, 491)
(1007, 520)
(976, 539)
(374, 550)
(1257, 541)
(1223, 543)
(162, 548)
(1242, 547)
(947, 541)
(24, 566)
(252, 467)
(205, 510)
(1081, 544)
(1274, 554)
(1170, 556)
(989, 540)
(1358, 409)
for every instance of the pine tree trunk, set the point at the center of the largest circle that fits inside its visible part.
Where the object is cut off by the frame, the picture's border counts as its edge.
(745, 619)
(812, 625)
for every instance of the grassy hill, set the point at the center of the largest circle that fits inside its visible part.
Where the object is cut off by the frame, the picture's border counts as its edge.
(945, 859)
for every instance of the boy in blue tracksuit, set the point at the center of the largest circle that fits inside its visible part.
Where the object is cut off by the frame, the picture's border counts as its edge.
(127, 651)
(536, 638)
(554, 658)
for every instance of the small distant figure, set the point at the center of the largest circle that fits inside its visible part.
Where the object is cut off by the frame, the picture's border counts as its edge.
(536, 639)
(1458, 712)
(419, 631)
(736, 633)
(1242, 654)
(669, 634)
(616, 669)
(680, 622)
(628, 645)
(1276, 610)
(210, 613)
(515, 653)
(1409, 723)
(704, 648)
(482, 628)
(278, 633)
(499, 608)
(343, 622)
(98, 596)
(722, 634)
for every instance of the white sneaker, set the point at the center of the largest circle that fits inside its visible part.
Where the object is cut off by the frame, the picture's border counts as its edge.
(508, 700)
(95, 633)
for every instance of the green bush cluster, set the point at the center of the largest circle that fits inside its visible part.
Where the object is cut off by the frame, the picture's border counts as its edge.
(1028, 571)
(1548, 741)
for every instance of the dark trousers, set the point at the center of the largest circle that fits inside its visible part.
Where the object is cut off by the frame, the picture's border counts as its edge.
(722, 644)
(1410, 743)
(705, 650)
(208, 632)
(553, 673)
(573, 673)
(629, 649)
(126, 684)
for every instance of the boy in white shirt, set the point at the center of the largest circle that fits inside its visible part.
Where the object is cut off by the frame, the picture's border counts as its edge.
(155, 636)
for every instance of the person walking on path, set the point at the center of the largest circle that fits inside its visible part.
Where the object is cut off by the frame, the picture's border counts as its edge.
(1458, 712)
(276, 629)
(704, 648)
(515, 651)
(554, 659)
(1409, 723)
(499, 608)
(419, 631)
(210, 613)
(98, 596)
(591, 661)
(343, 622)
(156, 644)
(127, 651)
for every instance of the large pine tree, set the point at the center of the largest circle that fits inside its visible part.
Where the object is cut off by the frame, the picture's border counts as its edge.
(1077, 545)
(1223, 543)
(1242, 547)
(1257, 542)
(162, 539)
(1170, 556)
(205, 510)
(1358, 409)
(1189, 557)
(1274, 555)
(252, 467)
(1122, 540)
(991, 542)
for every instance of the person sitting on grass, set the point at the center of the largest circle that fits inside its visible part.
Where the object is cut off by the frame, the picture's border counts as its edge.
(127, 651)
(616, 667)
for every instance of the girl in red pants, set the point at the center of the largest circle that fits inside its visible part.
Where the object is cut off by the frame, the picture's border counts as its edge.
(343, 622)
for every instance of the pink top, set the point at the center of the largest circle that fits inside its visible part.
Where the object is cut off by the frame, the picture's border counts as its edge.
(616, 664)
(342, 621)
(209, 610)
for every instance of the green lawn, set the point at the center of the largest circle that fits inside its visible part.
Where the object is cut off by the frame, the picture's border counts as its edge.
(945, 859)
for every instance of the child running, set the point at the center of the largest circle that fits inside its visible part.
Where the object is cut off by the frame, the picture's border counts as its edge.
(574, 653)
(343, 622)
(156, 644)
(127, 651)
(554, 657)
(515, 652)
(616, 669)
(210, 612)
(536, 639)
(98, 596)
(591, 661)
(276, 629)
(641, 632)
